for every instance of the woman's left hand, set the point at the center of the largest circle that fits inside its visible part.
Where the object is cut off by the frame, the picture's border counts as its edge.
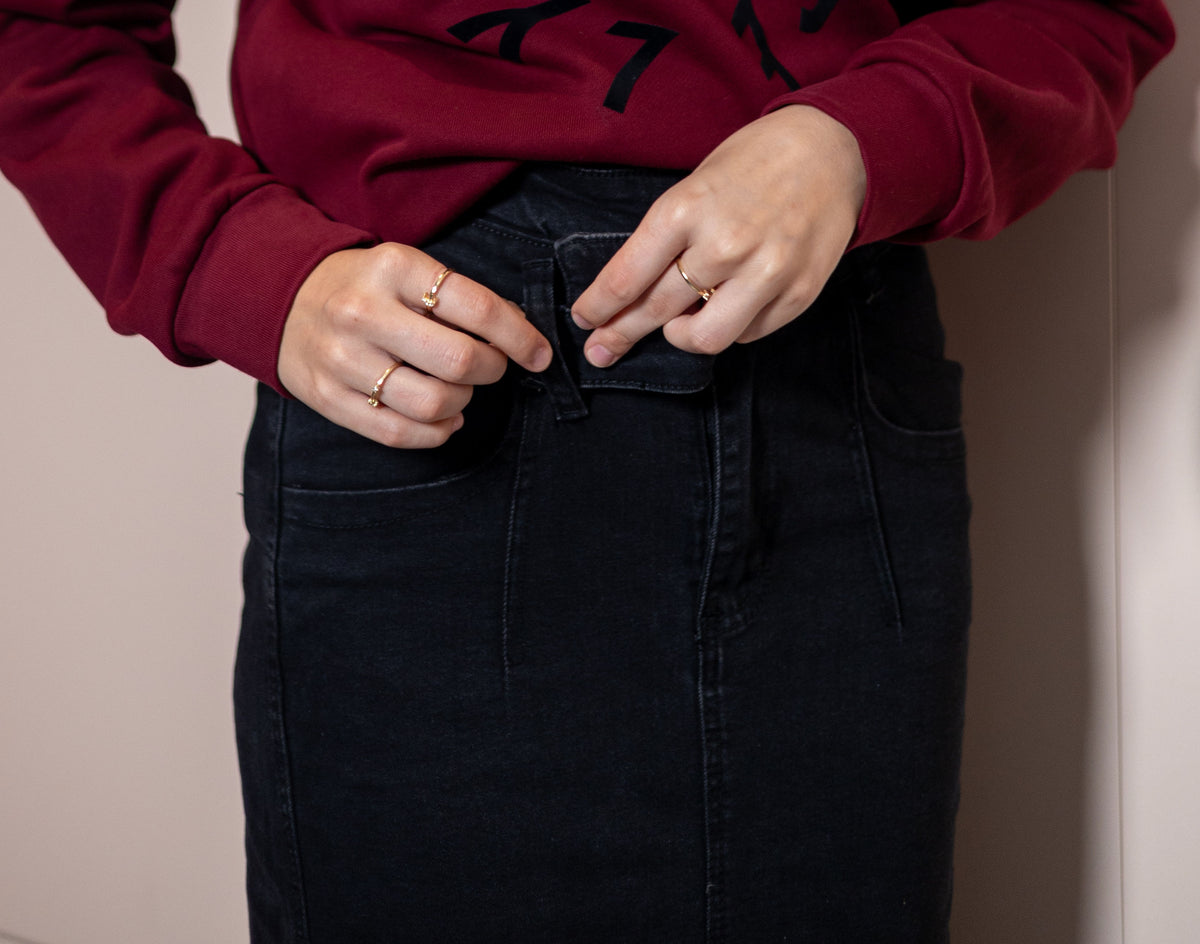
(762, 222)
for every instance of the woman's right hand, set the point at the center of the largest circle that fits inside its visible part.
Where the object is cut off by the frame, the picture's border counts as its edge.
(360, 311)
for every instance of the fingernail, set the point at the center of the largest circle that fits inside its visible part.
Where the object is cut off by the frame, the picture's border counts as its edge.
(579, 322)
(458, 423)
(542, 359)
(600, 356)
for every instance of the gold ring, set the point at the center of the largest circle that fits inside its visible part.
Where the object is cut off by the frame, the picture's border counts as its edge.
(373, 396)
(704, 293)
(430, 298)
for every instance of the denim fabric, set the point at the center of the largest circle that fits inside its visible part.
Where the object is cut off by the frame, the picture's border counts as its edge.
(671, 652)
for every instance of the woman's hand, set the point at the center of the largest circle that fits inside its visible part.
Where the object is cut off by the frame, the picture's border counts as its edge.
(360, 311)
(762, 221)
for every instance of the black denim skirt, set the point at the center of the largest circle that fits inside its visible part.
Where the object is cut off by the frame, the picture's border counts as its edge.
(669, 652)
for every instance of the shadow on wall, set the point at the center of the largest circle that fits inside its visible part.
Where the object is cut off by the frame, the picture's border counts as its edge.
(1038, 859)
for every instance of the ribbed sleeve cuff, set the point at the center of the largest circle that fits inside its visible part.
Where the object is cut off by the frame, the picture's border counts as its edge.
(243, 285)
(909, 143)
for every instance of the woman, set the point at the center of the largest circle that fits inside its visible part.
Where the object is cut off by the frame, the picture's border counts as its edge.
(560, 626)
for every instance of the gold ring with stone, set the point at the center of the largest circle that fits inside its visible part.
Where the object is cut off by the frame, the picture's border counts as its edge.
(430, 298)
(373, 396)
(704, 293)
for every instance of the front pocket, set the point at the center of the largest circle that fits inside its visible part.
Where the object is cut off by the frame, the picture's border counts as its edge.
(334, 478)
(909, 394)
(909, 443)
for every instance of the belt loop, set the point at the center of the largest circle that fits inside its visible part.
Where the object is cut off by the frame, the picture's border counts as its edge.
(541, 310)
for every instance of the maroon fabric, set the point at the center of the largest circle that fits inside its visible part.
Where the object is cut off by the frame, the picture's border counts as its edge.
(371, 120)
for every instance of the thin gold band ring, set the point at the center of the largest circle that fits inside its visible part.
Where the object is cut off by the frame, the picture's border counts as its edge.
(704, 293)
(373, 396)
(430, 298)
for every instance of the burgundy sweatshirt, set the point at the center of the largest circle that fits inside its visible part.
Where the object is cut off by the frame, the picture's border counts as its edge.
(371, 120)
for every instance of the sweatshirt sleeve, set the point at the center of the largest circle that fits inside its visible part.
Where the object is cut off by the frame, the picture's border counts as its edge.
(973, 115)
(179, 235)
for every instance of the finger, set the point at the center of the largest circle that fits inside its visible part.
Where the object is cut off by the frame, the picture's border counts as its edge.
(722, 320)
(390, 428)
(355, 324)
(423, 398)
(469, 306)
(411, 411)
(634, 268)
(668, 298)
(349, 408)
(440, 350)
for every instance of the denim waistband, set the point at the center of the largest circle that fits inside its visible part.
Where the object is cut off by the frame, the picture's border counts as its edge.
(653, 365)
(540, 240)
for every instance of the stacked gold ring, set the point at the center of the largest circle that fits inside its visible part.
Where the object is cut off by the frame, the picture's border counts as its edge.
(430, 298)
(704, 293)
(373, 396)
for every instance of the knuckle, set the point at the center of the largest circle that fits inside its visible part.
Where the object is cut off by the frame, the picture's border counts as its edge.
(731, 246)
(527, 347)
(773, 263)
(619, 338)
(430, 404)
(408, 433)
(802, 293)
(394, 436)
(338, 355)
(692, 191)
(347, 309)
(491, 370)
(672, 212)
(477, 310)
(459, 359)
(622, 284)
(323, 392)
(708, 342)
(399, 432)
(389, 256)
(437, 435)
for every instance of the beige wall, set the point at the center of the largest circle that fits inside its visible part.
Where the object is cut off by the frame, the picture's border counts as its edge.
(120, 816)
(1029, 316)
(1080, 329)
(1158, 510)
